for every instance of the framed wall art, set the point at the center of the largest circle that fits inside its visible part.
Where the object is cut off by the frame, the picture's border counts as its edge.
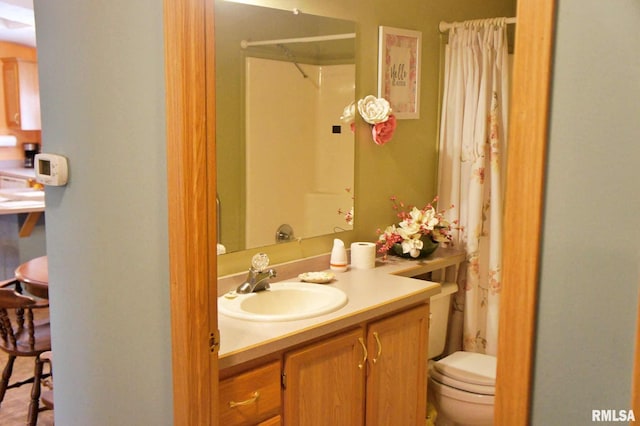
(399, 54)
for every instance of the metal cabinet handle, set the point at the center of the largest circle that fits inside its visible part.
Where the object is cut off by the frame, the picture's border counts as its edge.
(375, 335)
(366, 354)
(254, 398)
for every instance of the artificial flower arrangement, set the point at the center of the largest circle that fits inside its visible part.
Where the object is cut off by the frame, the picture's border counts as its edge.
(348, 215)
(417, 234)
(376, 112)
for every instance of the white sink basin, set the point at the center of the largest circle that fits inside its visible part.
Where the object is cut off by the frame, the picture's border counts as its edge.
(284, 301)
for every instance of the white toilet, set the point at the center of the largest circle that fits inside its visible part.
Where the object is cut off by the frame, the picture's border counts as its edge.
(461, 385)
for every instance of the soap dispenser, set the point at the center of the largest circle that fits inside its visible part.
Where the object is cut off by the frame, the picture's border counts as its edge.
(338, 261)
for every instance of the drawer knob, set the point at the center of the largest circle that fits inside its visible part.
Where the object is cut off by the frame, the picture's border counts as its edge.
(253, 399)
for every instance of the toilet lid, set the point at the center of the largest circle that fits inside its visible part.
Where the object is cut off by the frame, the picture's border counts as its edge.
(468, 367)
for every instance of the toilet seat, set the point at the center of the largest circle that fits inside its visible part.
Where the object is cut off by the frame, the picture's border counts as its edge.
(467, 371)
(461, 385)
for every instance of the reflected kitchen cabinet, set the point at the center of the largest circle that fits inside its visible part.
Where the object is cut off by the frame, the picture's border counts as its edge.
(21, 94)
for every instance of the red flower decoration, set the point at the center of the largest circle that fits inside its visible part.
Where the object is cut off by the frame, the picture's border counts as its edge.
(383, 132)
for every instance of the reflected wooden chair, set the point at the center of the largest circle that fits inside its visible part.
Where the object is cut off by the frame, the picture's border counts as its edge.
(21, 335)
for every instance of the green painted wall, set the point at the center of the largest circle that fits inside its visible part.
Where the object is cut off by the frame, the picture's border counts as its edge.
(406, 166)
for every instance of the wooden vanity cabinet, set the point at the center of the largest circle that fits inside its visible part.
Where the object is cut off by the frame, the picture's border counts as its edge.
(373, 375)
(21, 94)
(273, 421)
(252, 397)
(396, 385)
(324, 382)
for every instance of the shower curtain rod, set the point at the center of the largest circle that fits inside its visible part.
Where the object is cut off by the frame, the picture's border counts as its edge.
(245, 43)
(446, 26)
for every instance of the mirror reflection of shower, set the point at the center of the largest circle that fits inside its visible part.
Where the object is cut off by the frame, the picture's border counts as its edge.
(242, 31)
(286, 114)
(292, 58)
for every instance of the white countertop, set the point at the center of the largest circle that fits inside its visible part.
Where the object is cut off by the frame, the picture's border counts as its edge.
(19, 172)
(20, 206)
(10, 205)
(371, 293)
(21, 200)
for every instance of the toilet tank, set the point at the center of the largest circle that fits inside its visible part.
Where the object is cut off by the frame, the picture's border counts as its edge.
(439, 305)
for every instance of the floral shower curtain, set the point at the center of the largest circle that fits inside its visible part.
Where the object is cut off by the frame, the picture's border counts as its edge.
(473, 145)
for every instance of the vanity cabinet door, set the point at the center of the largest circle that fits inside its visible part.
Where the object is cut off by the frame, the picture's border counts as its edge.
(397, 379)
(324, 382)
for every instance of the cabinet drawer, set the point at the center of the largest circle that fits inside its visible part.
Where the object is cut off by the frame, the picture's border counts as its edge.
(273, 421)
(251, 397)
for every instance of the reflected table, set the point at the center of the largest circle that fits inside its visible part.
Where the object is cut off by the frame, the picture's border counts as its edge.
(34, 276)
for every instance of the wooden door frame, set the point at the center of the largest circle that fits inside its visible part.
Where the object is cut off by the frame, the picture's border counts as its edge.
(191, 184)
(635, 384)
(524, 198)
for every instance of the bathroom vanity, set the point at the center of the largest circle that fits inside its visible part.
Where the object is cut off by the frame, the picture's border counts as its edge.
(364, 363)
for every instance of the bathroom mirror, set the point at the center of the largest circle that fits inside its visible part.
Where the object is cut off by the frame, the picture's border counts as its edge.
(285, 160)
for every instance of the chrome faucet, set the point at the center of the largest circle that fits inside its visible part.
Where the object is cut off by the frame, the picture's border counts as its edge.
(258, 276)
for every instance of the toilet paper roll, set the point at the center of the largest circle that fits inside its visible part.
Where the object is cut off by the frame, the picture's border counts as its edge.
(363, 255)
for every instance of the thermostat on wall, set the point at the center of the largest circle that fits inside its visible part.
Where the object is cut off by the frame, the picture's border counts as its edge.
(51, 169)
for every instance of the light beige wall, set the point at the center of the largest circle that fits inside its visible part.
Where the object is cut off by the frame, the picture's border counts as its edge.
(406, 166)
